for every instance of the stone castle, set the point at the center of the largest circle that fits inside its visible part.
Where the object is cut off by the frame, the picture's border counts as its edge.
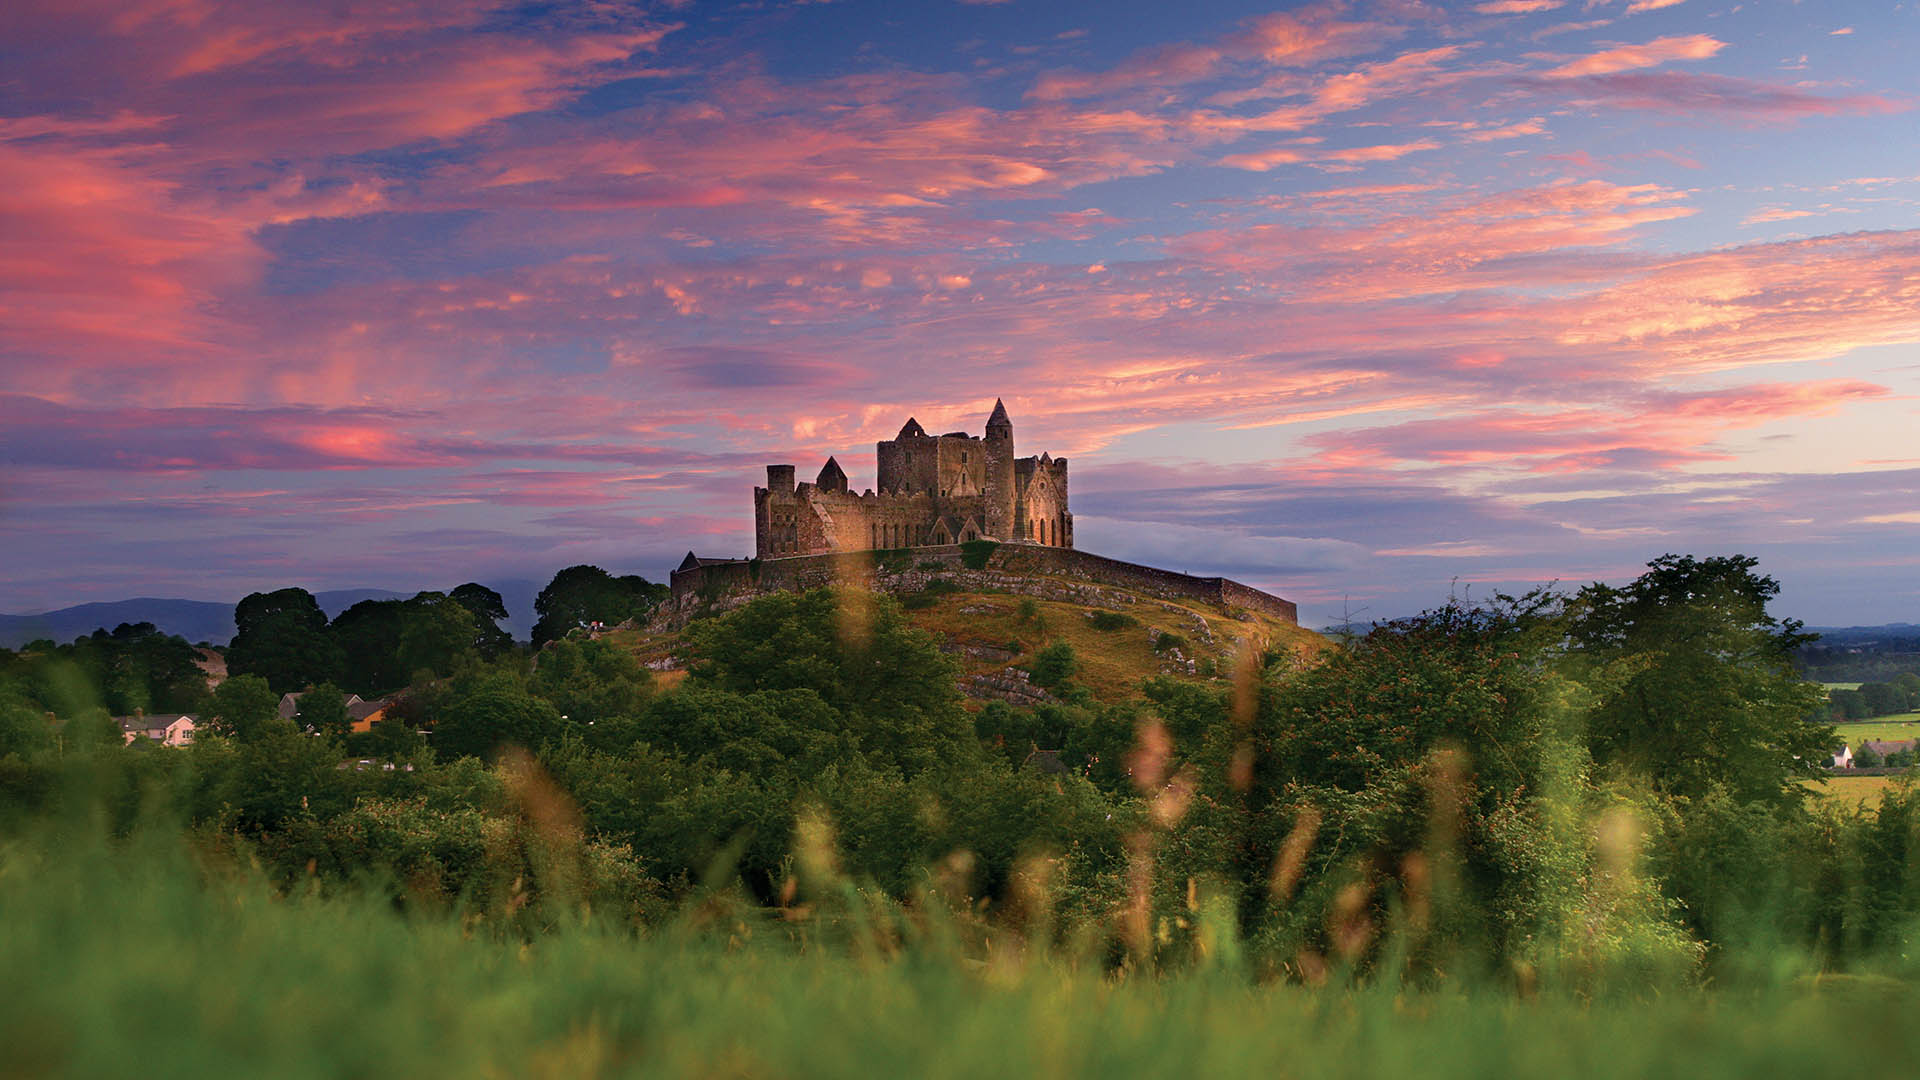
(935, 493)
(932, 490)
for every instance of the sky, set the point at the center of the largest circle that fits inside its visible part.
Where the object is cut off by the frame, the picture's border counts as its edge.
(1367, 303)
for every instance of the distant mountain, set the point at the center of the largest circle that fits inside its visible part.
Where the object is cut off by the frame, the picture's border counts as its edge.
(1835, 635)
(202, 620)
(195, 620)
(335, 601)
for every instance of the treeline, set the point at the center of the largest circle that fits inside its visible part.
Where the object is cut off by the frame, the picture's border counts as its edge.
(1612, 779)
(1879, 654)
(377, 646)
(1901, 695)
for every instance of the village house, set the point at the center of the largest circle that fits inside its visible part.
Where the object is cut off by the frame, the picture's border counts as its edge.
(168, 729)
(361, 713)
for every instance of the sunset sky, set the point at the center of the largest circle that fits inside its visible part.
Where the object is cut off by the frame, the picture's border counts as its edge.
(1358, 302)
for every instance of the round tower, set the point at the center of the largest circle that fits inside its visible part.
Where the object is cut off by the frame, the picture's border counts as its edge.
(999, 485)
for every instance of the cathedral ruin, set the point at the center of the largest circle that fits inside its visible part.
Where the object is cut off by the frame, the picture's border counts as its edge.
(932, 489)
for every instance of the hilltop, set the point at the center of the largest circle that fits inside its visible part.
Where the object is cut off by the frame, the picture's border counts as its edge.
(994, 622)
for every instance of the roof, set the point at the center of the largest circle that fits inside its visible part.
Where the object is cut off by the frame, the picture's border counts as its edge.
(999, 416)
(360, 710)
(694, 562)
(154, 722)
(911, 429)
(1883, 747)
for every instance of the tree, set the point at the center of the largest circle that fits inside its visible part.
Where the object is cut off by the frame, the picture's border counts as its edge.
(586, 594)
(479, 719)
(246, 708)
(436, 634)
(324, 709)
(282, 637)
(1883, 699)
(1054, 665)
(590, 681)
(1695, 684)
(368, 634)
(487, 608)
(889, 682)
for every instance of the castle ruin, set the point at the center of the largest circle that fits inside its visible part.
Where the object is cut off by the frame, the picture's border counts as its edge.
(932, 490)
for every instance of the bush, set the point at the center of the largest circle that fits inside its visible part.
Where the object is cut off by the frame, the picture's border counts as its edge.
(1112, 620)
(1168, 641)
(975, 553)
(1054, 665)
(920, 601)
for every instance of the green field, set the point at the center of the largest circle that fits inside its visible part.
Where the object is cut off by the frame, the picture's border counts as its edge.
(138, 962)
(1903, 726)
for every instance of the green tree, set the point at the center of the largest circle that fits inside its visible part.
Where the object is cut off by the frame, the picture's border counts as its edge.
(282, 637)
(487, 608)
(1054, 665)
(889, 682)
(324, 709)
(1695, 684)
(368, 635)
(590, 681)
(488, 714)
(437, 634)
(246, 708)
(1883, 699)
(586, 594)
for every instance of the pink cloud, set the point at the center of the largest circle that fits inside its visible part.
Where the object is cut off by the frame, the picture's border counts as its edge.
(1516, 7)
(1689, 94)
(1308, 35)
(1652, 54)
(1658, 430)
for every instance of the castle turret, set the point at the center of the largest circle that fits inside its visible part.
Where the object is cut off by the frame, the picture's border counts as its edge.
(998, 487)
(780, 478)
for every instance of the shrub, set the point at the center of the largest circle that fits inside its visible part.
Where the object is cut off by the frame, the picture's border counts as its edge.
(1168, 641)
(1054, 665)
(975, 553)
(920, 601)
(1112, 620)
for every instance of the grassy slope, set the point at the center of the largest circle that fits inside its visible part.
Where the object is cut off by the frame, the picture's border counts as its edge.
(1111, 663)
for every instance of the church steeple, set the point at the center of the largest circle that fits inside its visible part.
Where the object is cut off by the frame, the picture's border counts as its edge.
(998, 425)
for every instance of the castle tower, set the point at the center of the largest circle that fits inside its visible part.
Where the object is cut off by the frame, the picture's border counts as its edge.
(999, 485)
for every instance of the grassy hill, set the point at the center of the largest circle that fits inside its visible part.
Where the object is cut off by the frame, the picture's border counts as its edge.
(1119, 638)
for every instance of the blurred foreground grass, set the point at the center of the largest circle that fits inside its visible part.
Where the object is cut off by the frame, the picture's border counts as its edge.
(135, 958)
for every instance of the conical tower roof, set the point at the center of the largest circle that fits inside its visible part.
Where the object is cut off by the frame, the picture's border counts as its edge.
(999, 417)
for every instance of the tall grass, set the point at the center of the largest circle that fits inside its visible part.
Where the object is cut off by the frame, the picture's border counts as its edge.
(145, 957)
